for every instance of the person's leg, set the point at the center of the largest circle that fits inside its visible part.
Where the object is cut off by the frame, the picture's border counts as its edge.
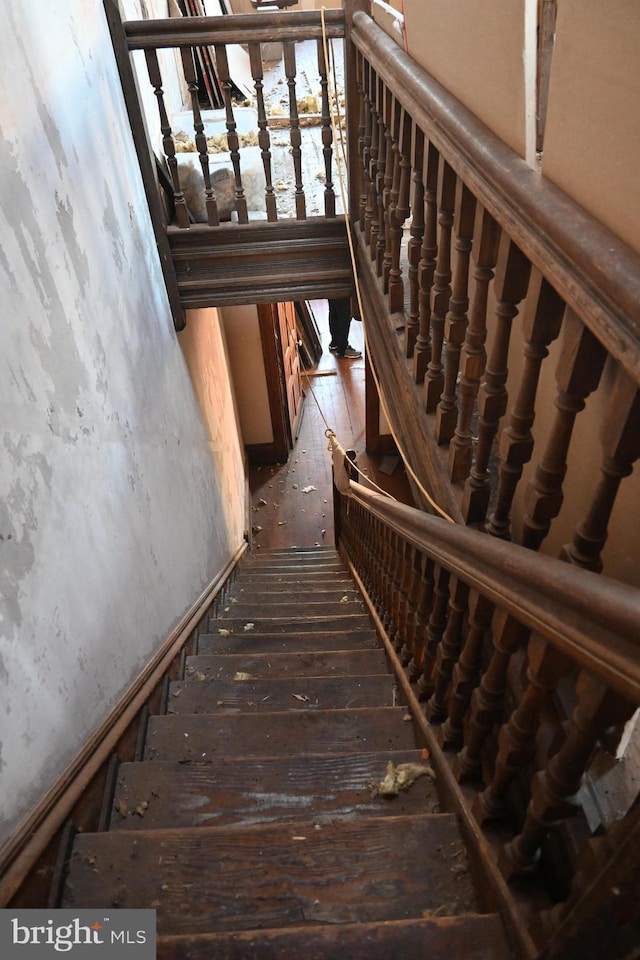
(339, 323)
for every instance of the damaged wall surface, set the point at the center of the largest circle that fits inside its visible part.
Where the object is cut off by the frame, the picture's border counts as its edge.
(117, 503)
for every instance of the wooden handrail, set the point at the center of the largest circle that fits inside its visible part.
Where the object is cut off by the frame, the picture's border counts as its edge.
(593, 270)
(241, 28)
(593, 620)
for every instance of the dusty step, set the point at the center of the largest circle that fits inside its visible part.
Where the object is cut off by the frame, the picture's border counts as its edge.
(304, 567)
(320, 550)
(279, 734)
(256, 575)
(292, 608)
(211, 879)
(170, 794)
(266, 624)
(339, 663)
(311, 555)
(289, 693)
(250, 642)
(474, 937)
(279, 591)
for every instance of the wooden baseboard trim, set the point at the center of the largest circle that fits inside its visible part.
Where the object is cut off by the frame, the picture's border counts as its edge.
(22, 850)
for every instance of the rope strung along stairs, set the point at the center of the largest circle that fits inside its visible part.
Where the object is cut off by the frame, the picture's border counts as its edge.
(256, 821)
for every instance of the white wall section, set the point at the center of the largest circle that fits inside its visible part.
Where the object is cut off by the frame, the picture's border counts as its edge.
(115, 508)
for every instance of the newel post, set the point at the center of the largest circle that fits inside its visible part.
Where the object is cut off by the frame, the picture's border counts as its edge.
(349, 460)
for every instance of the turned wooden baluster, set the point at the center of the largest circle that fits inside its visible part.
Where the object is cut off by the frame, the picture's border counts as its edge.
(466, 672)
(377, 556)
(448, 650)
(435, 629)
(226, 85)
(264, 140)
(620, 438)
(540, 326)
(371, 224)
(364, 140)
(388, 559)
(512, 279)
(517, 737)
(390, 114)
(384, 141)
(189, 69)
(399, 211)
(487, 700)
(423, 612)
(404, 592)
(392, 190)
(416, 236)
(327, 137)
(169, 147)
(396, 583)
(456, 319)
(413, 598)
(473, 358)
(597, 709)
(427, 262)
(441, 289)
(295, 133)
(578, 374)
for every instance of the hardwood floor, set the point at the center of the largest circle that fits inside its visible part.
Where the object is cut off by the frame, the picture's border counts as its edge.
(292, 502)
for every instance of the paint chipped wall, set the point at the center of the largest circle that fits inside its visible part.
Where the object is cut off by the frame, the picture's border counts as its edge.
(111, 492)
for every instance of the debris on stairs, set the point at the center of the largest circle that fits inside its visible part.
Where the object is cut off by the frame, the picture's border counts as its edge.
(282, 807)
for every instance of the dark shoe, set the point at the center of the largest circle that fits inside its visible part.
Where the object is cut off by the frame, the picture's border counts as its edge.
(333, 348)
(350, 354)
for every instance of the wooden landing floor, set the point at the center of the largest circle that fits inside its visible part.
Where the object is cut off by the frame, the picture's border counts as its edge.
(283, 514)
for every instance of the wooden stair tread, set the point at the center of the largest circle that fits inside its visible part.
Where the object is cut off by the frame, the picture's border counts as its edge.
(199, 737)
(277, 592)
(307, 609)
(216, 879)
(210, 644)
(174, 794)
(288, 693)
(270, 624)
(338, 663)
(294, 575)
(298, 564)
(473, 936)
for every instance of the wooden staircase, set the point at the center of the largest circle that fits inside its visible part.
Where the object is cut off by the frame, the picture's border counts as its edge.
(251, 822)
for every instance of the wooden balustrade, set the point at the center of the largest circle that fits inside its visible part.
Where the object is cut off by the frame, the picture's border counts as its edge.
(495, 267)
(253, 30)
(472, 614)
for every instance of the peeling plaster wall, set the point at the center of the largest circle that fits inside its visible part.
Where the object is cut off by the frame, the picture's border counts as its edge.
(111, 493)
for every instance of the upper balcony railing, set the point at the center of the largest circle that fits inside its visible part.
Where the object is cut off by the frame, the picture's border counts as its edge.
(243, 215)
